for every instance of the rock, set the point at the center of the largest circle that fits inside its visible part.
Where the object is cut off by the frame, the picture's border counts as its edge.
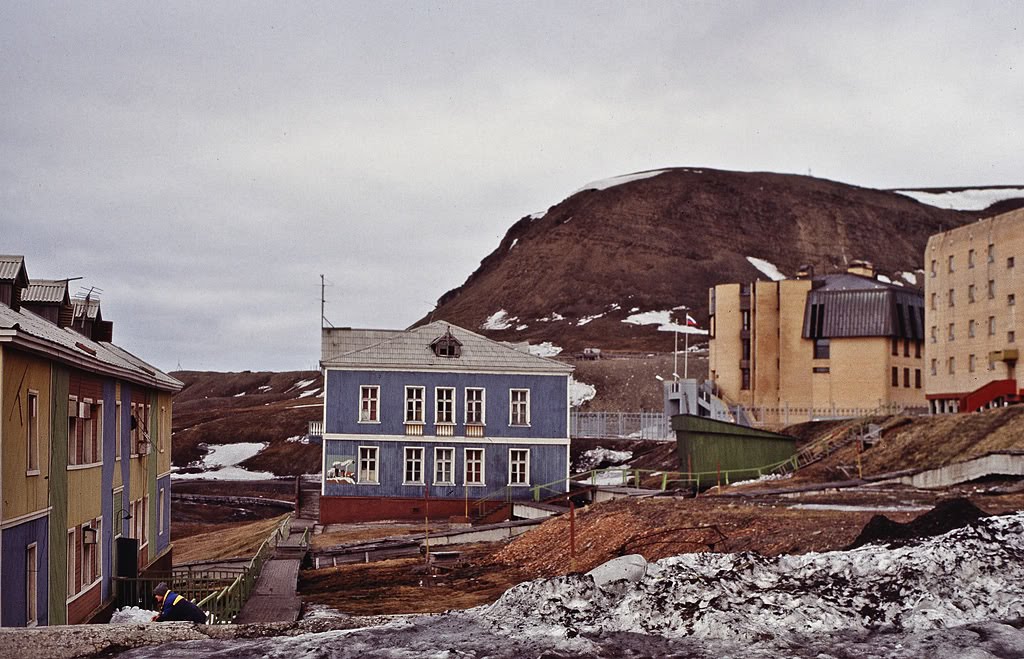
(629, 568)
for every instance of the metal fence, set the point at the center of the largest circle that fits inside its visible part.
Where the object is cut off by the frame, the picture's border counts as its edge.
(627, 425)
(786, 415)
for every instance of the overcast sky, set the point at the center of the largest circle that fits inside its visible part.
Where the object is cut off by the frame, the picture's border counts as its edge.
(204, 163)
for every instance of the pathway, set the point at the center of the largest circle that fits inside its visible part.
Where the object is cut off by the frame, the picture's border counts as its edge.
(274, 599)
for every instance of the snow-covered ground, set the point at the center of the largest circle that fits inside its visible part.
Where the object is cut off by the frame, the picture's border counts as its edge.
(964, 200)
(222, 460)
(600, 455)
(663, 319)
(545, 349)
(604, 184)
(499, 320)
(954, 595)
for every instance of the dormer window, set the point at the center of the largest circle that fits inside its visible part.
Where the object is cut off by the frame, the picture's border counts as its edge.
(447, 345)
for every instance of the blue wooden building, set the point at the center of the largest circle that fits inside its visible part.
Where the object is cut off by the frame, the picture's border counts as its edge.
(437, 421)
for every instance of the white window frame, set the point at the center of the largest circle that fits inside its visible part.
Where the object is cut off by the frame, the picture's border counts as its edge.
(161, 500)
(32, 585)
(479, 406)
(524, 464)
(369, 393)
(440, 461)
(412, 460)
(515, 419)
(418, 415)
(88, 432)
(444, 407)
(32, 434)
(72, 576)
(72, 432)
(118, 425)
(373, 455)
(465, 467)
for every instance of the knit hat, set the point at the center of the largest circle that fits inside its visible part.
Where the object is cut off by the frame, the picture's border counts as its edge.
(160, 590)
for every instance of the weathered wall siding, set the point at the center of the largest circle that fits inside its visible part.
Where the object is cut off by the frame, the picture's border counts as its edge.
(548, 402)
(707, 446)
(337, 510)
(24, 494)
(83, 605)
(547, 464)
(59, 525)
(15, 544)
(84, 500)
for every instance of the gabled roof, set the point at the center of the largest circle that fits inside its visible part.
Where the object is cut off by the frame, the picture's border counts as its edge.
(87, 308)
(411, 349)
(10, 266)
(30, 332)
(46, 291)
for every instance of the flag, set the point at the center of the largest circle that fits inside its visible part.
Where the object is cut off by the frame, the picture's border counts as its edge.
(690, 321)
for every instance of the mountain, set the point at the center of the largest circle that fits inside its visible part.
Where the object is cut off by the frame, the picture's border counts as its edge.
(656, 241)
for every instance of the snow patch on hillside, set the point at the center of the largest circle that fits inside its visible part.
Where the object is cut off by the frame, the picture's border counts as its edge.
(909, 277)
(604, 184)
(963, 200)
(767, 269)
(221, 463)
(499, 320)
(663, 319)
(580, 392)
(601, 456)
(551, 318)
(546, 349)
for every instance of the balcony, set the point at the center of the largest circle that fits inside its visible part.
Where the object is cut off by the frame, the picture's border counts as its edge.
(474, 430)
(414, 429)
(444, 429)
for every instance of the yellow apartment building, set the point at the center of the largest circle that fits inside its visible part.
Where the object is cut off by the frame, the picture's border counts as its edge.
(834, 345)
(972, 287)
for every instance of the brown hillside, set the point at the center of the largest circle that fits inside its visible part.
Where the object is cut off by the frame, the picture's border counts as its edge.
(661, 242)
(226, 408)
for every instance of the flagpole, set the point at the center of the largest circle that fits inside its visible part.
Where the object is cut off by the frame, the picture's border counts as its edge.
(686, 355)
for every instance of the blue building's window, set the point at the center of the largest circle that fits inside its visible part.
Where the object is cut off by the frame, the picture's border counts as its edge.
(474, 470)
(444, 465)
(519, 466)
(445, 405)
(519, 407)
(413, 465)
(368, 464)
(369, 404)
(414, 404)
(475, 406)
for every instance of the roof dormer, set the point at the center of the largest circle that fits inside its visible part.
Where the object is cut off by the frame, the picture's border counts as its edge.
(447, 345)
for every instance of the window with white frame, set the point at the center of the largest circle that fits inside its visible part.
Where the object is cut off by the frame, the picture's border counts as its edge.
(474, 406)
(444, 409)
(161, 501)
(72, 560)
(117, 430)
(414, 404)
(368, 464)
(519, 407)
(88, 438)
(473, 473)
(31, 585)
(413, 465)
(369, 403)
(74, 431)
(32, 434)
(444, 465)
(519, 466)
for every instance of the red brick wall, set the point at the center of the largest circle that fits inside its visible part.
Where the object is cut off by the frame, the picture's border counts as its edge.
(335, 510)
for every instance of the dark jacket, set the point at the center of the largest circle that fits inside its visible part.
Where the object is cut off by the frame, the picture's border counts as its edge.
(177, 607)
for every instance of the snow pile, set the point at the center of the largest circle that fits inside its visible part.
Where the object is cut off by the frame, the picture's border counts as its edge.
(909, 277)
(545, 349)
(596, 457)
(130, 615)
(580, 392)
(604, 184)
(499, 320)
(972, 574)
(963, 200)
(551, 318)
(767, 269)
(301, 384)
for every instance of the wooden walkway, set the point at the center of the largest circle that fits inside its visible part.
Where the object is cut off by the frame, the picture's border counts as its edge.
(275, 599)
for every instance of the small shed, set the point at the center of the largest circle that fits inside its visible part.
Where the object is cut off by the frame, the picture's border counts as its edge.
(710, 447)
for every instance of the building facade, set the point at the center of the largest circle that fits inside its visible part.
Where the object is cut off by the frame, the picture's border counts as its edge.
(972, 286)
(437, 421)
(85, 459)
(832, 345)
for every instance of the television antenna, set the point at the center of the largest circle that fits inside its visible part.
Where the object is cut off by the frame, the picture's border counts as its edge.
(323, 303)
